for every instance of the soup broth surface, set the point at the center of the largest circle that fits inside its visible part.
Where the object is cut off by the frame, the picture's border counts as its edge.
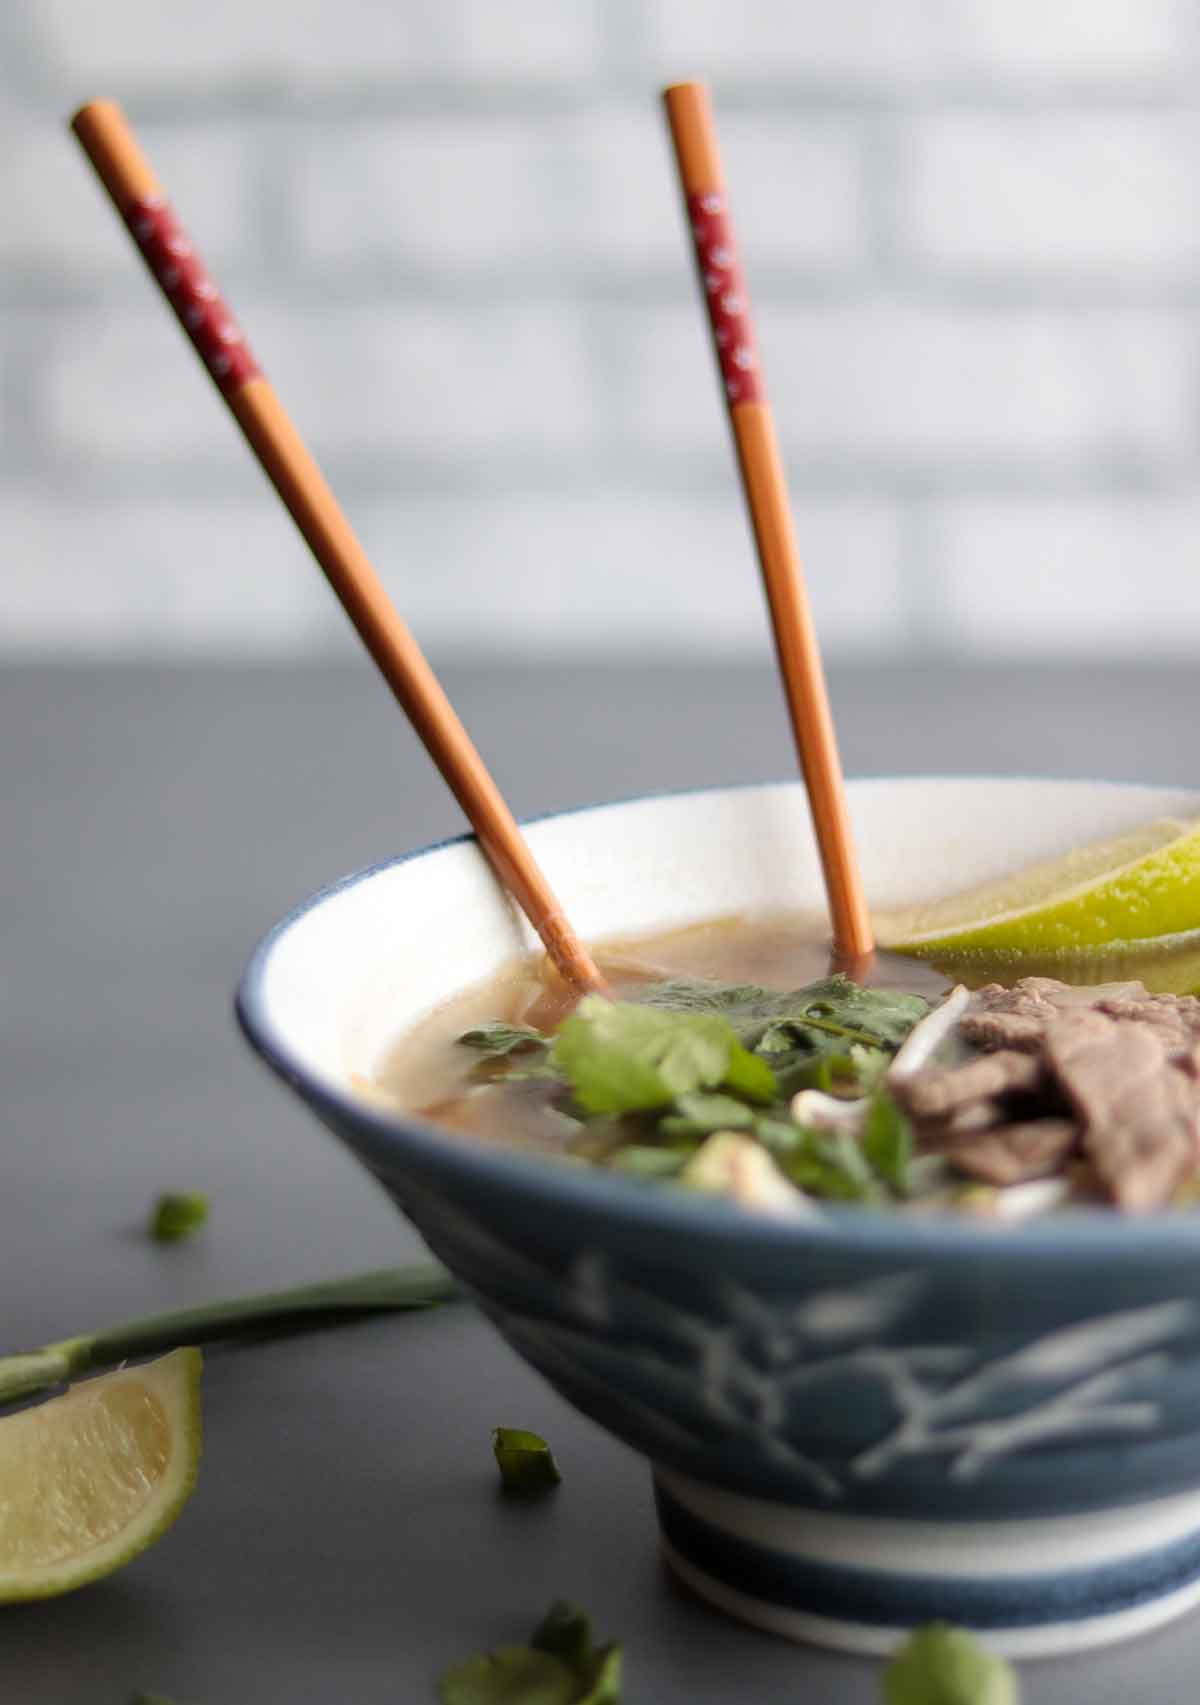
(429, 1073)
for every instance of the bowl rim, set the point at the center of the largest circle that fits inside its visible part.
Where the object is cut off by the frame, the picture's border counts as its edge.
(386, 1137)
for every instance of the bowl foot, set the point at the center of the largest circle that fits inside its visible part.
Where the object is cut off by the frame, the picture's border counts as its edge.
(1032, 1589)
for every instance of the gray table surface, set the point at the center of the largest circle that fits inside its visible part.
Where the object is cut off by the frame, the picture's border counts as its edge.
(346, 1540)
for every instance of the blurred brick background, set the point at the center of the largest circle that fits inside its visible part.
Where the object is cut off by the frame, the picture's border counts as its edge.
(972, 230)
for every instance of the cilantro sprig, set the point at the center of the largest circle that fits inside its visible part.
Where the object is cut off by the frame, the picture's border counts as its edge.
(622, 1057)
(559, 1666)
(650, 1081)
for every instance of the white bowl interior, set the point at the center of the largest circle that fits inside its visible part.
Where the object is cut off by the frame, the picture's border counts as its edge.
(354, 971)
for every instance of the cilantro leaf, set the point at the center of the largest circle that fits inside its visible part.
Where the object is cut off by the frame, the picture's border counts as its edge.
(869, 1066)
(511, 1675)
(887, 1142)
(560, 1666)
(566, 1633)
(622, 1057)
(176, 1216)
(644, 1160)
(603, 1684)
(830, 1164)
(500, 1039)
(817, 1067)
(701, 1115)
(526, 1462)
(781, 1135)
(771, 1021)
(809, 1037)
(840, 1164)
(749, 1075)
(939, 1665)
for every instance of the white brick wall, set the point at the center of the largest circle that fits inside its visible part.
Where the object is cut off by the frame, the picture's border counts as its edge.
(454, 237)
(56, 226)
(431, 382)
(1107, 196)
(428, 192)
(802, 193)
(114, 384)
(1116, 41)
(935, 390)
(855, 43)
(893, 45)
(578, 568)
(626, 572)
(205, 44)
(153, 575)
(121, 385)
(501, 195)
(1071, 576)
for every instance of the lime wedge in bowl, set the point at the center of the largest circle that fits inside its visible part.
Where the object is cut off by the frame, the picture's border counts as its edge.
(1135, 895)
(89, 1479)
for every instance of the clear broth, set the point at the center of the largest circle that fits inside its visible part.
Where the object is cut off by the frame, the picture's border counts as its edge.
(428, 1073)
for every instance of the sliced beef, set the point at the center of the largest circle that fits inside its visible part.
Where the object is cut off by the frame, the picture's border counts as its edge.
(1139, 1116)
(1188, 1061)
(1017, 1018)
(961, 1122)
(1100, 1083)
(1177, 1018)
(1014, 1154)
(1023, 1031)
(1026, 998)
(933, 1092)
(1013, 1018)
(1068, 995)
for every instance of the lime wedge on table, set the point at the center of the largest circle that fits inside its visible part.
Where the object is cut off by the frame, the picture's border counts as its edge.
(1142, 886)
(91, 1478)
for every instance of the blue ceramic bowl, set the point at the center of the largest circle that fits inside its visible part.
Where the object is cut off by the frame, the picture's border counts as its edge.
(856, 1424)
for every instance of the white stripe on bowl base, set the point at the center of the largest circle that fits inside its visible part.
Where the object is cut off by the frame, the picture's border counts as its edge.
(1048, 1640)
(965, 1550)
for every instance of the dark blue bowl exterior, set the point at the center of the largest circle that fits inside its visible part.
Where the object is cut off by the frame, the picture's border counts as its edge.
(874, 1366)
(1013, 1379)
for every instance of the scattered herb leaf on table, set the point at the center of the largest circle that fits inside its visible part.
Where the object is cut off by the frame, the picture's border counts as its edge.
(559, 1666)
(940, 1665)
(526, 1462)
(177, 1215)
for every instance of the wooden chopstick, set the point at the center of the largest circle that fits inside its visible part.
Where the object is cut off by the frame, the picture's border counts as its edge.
(721, 281)
(126, 174)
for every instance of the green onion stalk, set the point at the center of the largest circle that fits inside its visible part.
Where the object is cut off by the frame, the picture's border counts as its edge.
(35, 1372)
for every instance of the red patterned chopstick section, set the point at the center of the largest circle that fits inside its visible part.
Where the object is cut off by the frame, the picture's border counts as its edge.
(196, 300)
(726, 295)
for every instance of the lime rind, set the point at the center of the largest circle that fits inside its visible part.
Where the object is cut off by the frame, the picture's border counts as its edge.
(1168, 964)
(52, 1432)
(1097, 896)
